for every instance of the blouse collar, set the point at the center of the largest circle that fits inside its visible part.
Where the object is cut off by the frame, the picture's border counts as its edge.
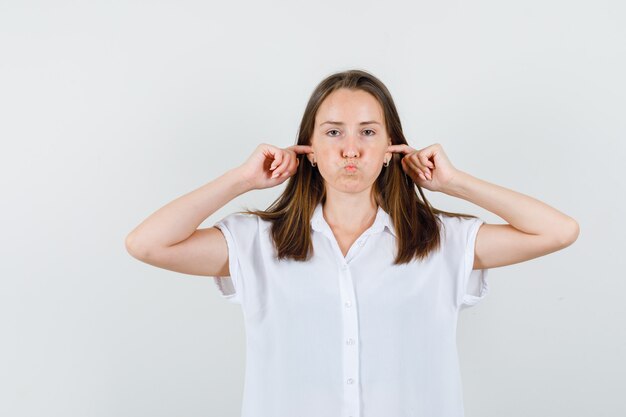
(382, 220)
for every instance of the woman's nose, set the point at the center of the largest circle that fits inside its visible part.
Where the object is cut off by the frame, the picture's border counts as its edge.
(351, 146)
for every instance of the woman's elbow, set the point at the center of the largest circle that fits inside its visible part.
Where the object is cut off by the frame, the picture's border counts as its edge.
(570, 233)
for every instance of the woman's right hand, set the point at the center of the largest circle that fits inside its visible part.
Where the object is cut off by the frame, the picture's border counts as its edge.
(269, 165)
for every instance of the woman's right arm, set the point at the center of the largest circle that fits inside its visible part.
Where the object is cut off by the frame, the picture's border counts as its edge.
(169, 238)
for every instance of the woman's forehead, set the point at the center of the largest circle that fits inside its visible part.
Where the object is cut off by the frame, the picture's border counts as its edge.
(349, 107)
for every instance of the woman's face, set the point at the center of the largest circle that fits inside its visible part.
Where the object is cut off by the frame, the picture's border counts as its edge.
(357, 138)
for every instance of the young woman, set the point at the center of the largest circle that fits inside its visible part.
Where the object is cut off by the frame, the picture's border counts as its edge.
(350, 282)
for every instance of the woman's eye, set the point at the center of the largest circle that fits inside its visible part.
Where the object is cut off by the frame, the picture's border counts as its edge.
(366, 130)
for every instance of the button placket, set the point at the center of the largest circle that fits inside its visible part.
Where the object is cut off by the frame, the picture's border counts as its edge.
(351, 347)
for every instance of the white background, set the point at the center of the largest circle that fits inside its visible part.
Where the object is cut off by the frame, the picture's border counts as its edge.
(111, 109)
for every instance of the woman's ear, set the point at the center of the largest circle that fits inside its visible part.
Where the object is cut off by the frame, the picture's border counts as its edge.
(389, 155)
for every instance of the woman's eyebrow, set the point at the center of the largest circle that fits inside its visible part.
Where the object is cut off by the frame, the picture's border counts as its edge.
(369, 122)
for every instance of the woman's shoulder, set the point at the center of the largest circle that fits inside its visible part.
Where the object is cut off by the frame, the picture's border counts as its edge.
(457, 228)
(455, 220)
(241, 222)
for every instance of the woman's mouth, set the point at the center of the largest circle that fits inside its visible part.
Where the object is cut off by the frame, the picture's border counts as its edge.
(350, 168)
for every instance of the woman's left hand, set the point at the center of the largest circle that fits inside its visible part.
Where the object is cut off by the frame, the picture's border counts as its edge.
(429, 168)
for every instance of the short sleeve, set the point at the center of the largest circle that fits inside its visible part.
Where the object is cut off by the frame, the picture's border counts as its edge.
(474, 281)
(469, 285)
(237, 229)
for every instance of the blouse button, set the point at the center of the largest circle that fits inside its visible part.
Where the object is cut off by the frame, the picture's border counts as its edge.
(348, 304)
(350, 341)
(350, 381)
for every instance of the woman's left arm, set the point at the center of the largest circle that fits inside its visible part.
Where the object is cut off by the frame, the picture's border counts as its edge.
(535, 229)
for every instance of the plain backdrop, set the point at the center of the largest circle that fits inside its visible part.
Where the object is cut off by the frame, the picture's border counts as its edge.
(111, 109)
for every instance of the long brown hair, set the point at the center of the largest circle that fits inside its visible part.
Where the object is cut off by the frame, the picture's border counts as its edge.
(415, 221)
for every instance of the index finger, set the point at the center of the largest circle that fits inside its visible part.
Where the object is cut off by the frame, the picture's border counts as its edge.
(401, 148)
(302, 149)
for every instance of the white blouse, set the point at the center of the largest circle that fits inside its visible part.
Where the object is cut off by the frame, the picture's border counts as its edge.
(354, 336)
